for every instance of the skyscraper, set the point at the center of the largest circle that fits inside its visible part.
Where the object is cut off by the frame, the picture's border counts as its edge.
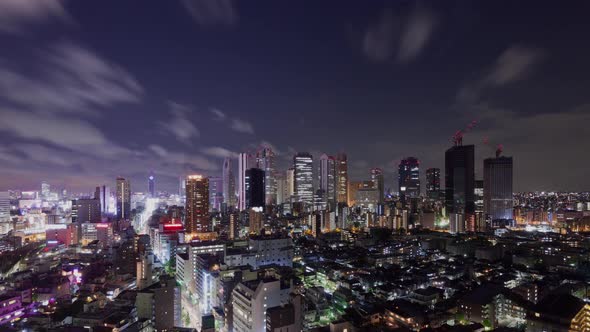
(378, 182)
(244, 163)
(265, 159)
(104, 199)
(255, 188)
(303, 164)
(460, 179)
(152, 185)
(45, 189)
(282, 188)
(342, 178)
(290, 182)
(229, 183)
(433, 182)
(328, 179)
(409, 177)
(123, 199)
(197, 205)
(215, 192)
(498, 203)
(4, 205)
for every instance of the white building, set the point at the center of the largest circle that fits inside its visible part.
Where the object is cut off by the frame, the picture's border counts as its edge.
(251, 299)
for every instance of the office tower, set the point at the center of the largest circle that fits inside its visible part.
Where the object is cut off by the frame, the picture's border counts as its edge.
(97, 194)
(480, 222)
(197, 205)
(152, 185)
(303, 164)
(282, 188)
(85, 210)
(342, 178)
(215, 192)
(265, 160)
(123, 199)
(479, 196)
(255, 188)
(104, 196)
(378, 182)
(181, 187)
(4, 205)
(497, 191)
(433, 183)
(244, 163)
(460, 180)
(409, 177)
(45, 189)
(328, 179)
(229, 183)
(290, 182)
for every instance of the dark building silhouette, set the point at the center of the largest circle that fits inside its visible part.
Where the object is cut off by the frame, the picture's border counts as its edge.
(433, 182)
(409, 177)
(460, 179)
(255, 193)
(497, 190)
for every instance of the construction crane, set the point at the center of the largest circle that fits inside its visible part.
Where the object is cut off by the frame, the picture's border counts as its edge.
(458, 136)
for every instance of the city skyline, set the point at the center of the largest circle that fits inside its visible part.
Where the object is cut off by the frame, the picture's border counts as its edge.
(95, 103)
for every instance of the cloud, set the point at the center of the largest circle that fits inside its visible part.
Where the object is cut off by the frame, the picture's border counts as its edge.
(236, 124)
(212, 12)
(216, 151)
(513, 65)
(218, 114)
(404, 38)
(15, 14)
(158, 150)
(68, 78)
(242, 126)
(180, 125)
(64, 132)
(416, 34)
(378, 42)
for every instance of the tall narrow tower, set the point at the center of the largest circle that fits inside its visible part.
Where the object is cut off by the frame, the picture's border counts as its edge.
(342, 178)
(197, 205)
(123, 199)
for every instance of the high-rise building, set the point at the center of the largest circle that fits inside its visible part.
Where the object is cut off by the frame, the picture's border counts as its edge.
(480, 222)
(282, 188)
(378, 183)
(460, 179)
(342, 178)
(265, 160)
(244, 163)
(255, 188)
(328, 179)
(229, 183)
(303, 164)
(104, 197)
(498, 203)
(433, 182)
(290, 182)
(45, 189)
(152, 185)
(409, 177)
(215, 192)
(123, 199)
(197, 205)
(4, 205)
(86, 210)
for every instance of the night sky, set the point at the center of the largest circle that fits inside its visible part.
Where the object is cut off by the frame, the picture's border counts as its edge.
(90, 90)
